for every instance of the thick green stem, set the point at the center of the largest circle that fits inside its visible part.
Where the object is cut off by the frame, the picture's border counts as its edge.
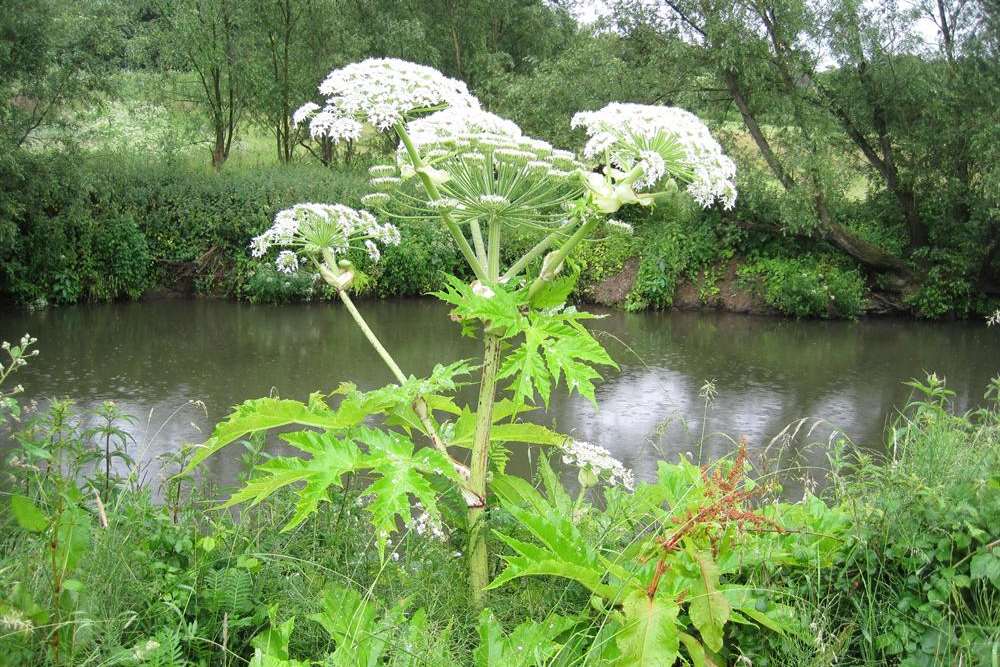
(493, 250)
(477, 241)
(432, 191)
(552, 263)
(372, 338)
(477, 556)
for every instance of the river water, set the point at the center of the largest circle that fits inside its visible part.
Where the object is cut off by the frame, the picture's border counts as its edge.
(842, 378)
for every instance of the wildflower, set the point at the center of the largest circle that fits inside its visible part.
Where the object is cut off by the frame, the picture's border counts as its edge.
(993, 319)
(142, 651)
(425, 525)
(382, 170)
(599, 462)
(373, 251)
(15, 621)
(287, 261)
(380, 92)
(661, 141)
(375, 199)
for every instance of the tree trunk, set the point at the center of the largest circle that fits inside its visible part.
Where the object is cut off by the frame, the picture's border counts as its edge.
(219, 152)
(864, 252)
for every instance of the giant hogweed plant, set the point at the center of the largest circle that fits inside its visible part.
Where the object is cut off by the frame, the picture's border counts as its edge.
(484, 181)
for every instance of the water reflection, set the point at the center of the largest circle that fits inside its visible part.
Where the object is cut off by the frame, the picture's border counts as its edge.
(153, 358)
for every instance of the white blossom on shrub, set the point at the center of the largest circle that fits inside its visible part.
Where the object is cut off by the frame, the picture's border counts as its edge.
(663, 141)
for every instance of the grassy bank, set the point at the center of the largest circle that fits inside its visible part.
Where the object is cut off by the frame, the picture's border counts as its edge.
(896, 563)
(115, 226)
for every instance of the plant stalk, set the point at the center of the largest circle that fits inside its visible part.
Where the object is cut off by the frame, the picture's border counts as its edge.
(477, 556)
(432, 191)
(555, 259)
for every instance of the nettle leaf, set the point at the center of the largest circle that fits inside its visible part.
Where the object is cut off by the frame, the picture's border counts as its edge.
(650, 635)
(27, 514)
(403, 471)
(531, 643)
(72, 537)
(708, 609)
(330, 458)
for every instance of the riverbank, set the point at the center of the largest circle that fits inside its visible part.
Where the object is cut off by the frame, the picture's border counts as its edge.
(112, 227)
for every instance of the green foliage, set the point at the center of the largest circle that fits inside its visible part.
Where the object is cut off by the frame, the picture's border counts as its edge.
(676, 245)
(679, 583)
(915, 582)
(555, 343)
(806, 287)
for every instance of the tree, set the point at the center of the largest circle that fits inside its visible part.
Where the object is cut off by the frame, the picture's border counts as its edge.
(52, 55)
(210, 40)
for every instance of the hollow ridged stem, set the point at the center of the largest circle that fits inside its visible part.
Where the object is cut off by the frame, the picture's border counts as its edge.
(432, 191)
(478, 558)
(531, 255)
(477, 241)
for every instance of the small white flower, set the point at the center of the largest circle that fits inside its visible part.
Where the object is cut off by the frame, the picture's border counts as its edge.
(599, 461)
(993, 319)
(287, 262)
(634, 134)
(381, 92)
(373, 252)
(482, 290)
(375, 199)
(304, 112)
(619, 226)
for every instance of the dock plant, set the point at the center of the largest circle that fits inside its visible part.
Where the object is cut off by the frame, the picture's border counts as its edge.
(486, 182)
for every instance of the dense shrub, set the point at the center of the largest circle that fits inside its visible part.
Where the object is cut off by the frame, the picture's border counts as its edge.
(918, 581)
(676, 244)
(806, 286)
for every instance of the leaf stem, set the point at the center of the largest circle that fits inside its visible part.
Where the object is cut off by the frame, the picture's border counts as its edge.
(554, 261)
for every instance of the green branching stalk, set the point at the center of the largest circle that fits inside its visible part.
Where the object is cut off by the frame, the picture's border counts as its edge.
(477, 556)
(554, 260)
(331, 273)
(432, 191)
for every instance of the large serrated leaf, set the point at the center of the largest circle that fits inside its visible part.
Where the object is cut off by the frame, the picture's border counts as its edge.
(650, 636)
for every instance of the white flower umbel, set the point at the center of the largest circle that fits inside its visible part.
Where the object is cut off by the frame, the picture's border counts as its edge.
(309, 230)
(379, 92)
(485, 169)
(659, 142)
(598, 462)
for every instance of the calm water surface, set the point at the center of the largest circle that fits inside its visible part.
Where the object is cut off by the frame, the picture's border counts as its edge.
(153, 358)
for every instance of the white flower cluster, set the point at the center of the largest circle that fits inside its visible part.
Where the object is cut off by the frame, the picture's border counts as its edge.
(312, 228)
(485, 168)
(599, 461)
(994, 319)
(643, 135)
(619, 226)
(380, 92)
